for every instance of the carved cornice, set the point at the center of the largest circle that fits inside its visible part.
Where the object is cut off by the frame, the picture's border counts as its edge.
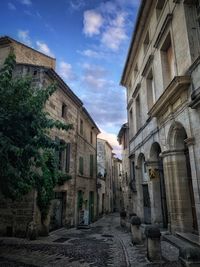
(163, 29)
(148, 63)
(174, 89)
(136, 90)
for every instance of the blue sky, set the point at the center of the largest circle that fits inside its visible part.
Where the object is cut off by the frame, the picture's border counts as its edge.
(89, 39)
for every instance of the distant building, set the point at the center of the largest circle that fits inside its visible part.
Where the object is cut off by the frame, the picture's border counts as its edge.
(76, 199)
(118, 200)
(161, 75)
(104, 174)
(128, 185)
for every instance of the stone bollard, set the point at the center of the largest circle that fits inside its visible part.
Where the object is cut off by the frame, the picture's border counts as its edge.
(153, 234)
(190, 256)
(123, 218)
(135, 230)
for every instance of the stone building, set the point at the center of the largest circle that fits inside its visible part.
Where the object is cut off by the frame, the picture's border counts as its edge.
(66, 107)
(118, 197)
(127, 182)
(104, 180)
(86, 179)
(161, 75)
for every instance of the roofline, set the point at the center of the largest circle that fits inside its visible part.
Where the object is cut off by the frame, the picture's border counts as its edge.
(143, 2)
(51, 72)
(121, 131)
(10, 40)
(91, 120)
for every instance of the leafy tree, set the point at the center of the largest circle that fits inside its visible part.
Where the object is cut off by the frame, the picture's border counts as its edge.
(27, 154)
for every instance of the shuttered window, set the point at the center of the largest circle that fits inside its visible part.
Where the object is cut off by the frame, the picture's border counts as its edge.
(67, 162)
(81, 165)
(91, 165)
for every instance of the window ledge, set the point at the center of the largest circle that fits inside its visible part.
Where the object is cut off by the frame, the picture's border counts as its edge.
(169, 96)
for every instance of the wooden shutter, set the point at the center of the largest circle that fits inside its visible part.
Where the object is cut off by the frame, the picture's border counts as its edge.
(91, 165)
(81, 165)
(67, 163)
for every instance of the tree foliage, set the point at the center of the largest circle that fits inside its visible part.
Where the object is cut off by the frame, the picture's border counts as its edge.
(27, 153)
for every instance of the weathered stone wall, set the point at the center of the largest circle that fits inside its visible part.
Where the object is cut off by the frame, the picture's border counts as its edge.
(15, 216)
(25, 54)
(86, 146)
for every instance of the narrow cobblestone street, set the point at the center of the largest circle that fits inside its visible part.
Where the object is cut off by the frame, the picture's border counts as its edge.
(104, 244)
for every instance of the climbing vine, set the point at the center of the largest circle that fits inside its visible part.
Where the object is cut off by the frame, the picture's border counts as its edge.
(27, 154)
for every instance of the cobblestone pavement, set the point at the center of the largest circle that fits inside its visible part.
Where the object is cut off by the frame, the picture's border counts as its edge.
(104, 244)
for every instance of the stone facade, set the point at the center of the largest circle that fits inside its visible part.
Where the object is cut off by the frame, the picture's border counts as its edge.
(126, 179)
(65, 106)
(161, 75)
(86, 190)
(104, 181)
(118, 186)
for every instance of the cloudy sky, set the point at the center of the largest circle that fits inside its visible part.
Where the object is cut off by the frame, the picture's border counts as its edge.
(89, 39)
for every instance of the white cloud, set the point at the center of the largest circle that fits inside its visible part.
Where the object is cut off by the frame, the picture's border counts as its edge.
(92, 22)
(65, 70)
(90, 53)
(24, 37)
(26, 2)
(112, 140)
(43, 47)
(77, 4)
(11, 6)
(113, 37)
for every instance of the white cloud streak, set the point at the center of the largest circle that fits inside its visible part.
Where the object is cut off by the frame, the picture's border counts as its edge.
(26, 2)
(43, 47)
(65, 70)
(92, 23)
(11, 6)
(24, 37)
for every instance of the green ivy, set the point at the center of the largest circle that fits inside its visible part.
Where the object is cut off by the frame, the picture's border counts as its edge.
(27, 153)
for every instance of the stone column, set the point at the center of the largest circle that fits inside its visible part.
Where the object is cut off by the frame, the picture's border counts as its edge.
(190, 142)
(177, 190)
(135, 230)
(152, 234)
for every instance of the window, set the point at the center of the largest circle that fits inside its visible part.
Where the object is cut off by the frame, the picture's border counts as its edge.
(138, 113)
(146, 42)
(150, 90)
(63, 155)
(167, 60)
(198, 11)
(81, 165)
(91, 165)
(67, 161)
(91, 137)
(159, 7)
(61, 160)
(81, 126)
(64, 110)
(131, 122)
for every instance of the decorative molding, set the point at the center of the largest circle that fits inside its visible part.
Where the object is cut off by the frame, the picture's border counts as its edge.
(190, 141)
(130, 103)
(168, 97)
(148, 63)
(136, 90)
(163, 29)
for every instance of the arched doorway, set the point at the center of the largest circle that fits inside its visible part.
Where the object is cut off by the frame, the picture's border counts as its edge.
(183, 203)
(144, 189)
(158, 186)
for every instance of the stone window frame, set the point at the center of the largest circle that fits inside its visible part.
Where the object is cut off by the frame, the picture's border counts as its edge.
(160, 4)
(64, 110)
